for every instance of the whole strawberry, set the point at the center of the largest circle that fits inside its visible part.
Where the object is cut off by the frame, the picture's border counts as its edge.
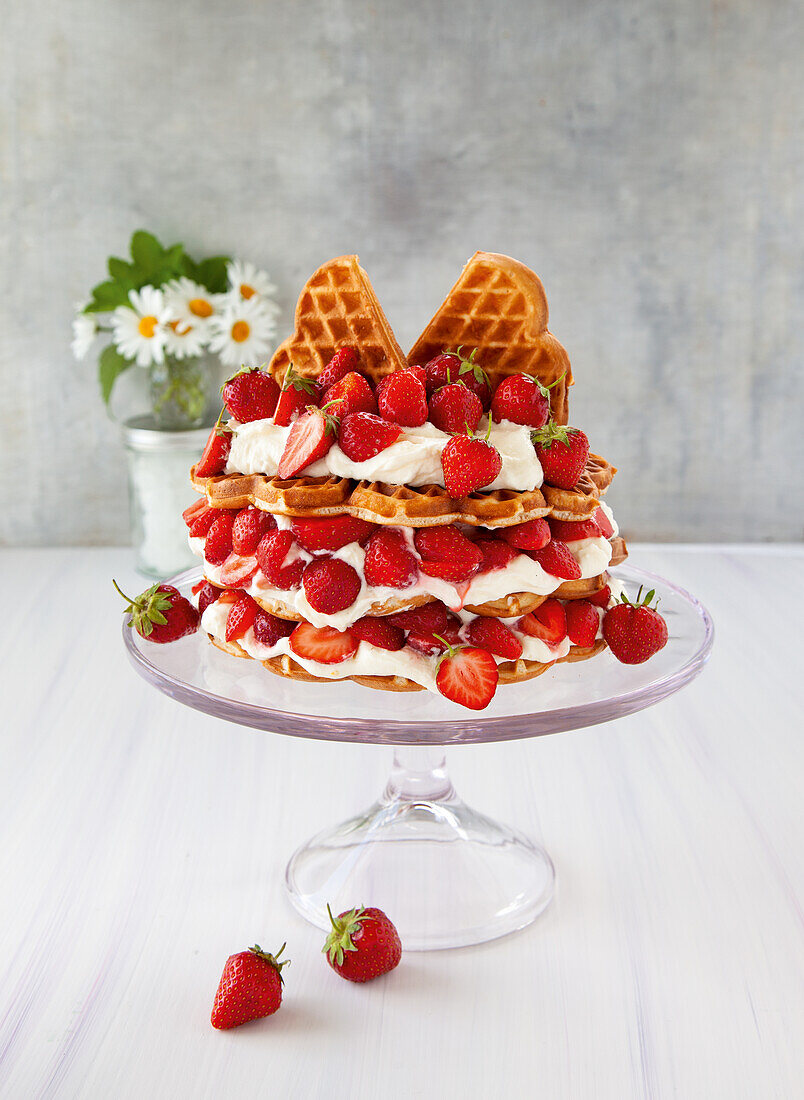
(250, 988)
(634, 631)
(562, 452)
(469, 464)
(454, 408)
(344, 360)
(362, 945)
(522, 400)
(452, 366)
(250, 394)
(161, 613)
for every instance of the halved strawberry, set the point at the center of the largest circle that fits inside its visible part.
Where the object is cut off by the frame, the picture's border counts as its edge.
(216, 451)
(189, 515)
(238, 569)
(604, 523)
(378, 631)
(342, 362)
(446, 553)
(496, 554)
(430, 617)
(203, 521)
(582, 622)
(468, 676)
(548, 622)
(601, 598)
(352, 394)
(532, 535)
(389, 563)
(330, 532)
(249, 527)
(241, 616)
(556, 560)
(227, 596)
(577, 529)
(493, 635)
(297, 393)
(309, 439)
(218, 543)
(322, 644)
(362, 436)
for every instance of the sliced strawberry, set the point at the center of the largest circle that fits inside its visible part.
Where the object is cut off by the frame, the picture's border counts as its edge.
(431, 618)
(548, 622)
(218, 543)
(352, 394)
(322, 644)
(604, 523)
(468, 676)
(532, 535)
(216, 451)
(191, 514)
(330, 585)
(379, 632)
(362, 436)
(601, 598)
(446, 553)
(556, 560)
(582, 622)
(249, 527)
(574, 531)
(342, 362)
(493, 635)
(469, 464)
(433, 642)
(241, 616)
(203, 521)
(269, 629)
(227, 596)
(330, 532)
(402, 399)
(496, 554)
(309, 438)
(238, 569)
(389, 563)
(454, 408)
(297, 393)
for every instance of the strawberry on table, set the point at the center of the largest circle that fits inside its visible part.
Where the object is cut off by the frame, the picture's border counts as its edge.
(634, 631)
(218, 543)
(330, 585)
(250, 988)
(249, 527)
(454, 408)
(378, 631)
(582, 622)
(362, 435)
(469, 464)
(352, 394)
(522, 400)
(389, 563)
(297, 393)
(250, 394)
(241, 616)
(160, 613)
(344, 360)
(330, 532)
(309, 438)
(547, 622)
(534, 534)
(556, 559)
(216, 451)
(402, 399)
(562, 453)
(362, 945)
(468, 675)
(323, 644)
(493, 635)
(446, 553)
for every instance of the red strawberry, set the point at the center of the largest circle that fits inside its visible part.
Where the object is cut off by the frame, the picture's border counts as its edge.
(562, 452)
(447, 547)
(469, 464)
(548, 622)
(330, 532)
(362, 945)
(207, 594)
(271, 555)
(442, 370)
(218, 543)
(468, 676)
(203, 522)
(556, 560)
(454, 408)
(249, 527)
(582, 622)
(227, 596)
(309, 438)
(453, 366)
(419, 372)
(572, 531)
(601, 598)
(238, 569)
(216, 451)
(250, 394)
(496, 554)
(378, 631)
(362, 436)
(191, 514)
(532, 535)
(342, 362)
(323, 644)
(250, 988)
(269, 629)
(330, 585)
(634, 631)
(352, 394)
(297, 393)
(389, 563)
(433, 642)
(430, 618)
(603, 522)
(493, 635)
(522, 400)
(402, 399)
(241, 616)
(160, 613)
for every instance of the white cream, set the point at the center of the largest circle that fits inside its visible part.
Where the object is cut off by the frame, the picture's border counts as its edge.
(415, 458)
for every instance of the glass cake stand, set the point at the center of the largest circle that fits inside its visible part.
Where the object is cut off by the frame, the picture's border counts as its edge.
(447, 875)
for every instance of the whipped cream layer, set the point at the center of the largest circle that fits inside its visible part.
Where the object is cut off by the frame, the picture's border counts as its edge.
(415, 458)
(523, 574)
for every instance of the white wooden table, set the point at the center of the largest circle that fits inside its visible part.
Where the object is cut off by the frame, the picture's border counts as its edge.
(141, 843)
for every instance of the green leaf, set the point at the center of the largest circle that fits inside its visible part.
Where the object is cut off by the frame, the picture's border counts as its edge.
(110, 365)
(107, 296)
(122, 272)
(146, 252)
(211, 273)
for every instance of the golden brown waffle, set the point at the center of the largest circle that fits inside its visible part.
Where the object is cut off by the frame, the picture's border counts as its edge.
(517, 603)
(499, 307)
(619, 551)
(338, 307)
(581, 501)
(583, 653)
(375, 501)
(580, 589)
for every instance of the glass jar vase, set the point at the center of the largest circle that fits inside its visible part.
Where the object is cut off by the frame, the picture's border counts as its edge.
(181, 391)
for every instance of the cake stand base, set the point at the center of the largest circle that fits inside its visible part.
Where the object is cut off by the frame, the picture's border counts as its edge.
(446, 875)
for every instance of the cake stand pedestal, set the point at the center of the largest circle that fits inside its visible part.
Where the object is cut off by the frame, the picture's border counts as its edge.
(446, 875)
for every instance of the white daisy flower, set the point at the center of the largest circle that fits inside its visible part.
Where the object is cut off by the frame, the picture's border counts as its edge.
(139, 331)
(184, 341)
(85, 329)
(242, 334)
(190, 303)
(248, 281)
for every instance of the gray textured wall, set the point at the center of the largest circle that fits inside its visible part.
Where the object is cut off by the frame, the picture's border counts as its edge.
(644, 158)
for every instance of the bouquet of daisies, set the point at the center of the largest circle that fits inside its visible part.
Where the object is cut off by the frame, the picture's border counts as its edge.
(166, 313)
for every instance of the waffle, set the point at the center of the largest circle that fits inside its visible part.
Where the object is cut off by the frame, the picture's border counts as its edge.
(499, 307)
(338, 307)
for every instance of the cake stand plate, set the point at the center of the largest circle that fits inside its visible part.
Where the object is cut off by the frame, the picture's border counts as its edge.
(445, 874)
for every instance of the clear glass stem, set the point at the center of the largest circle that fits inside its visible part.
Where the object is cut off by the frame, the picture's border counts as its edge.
(419, 774)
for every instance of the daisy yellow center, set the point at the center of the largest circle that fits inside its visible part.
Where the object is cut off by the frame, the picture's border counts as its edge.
(200, 307)
(147, 326)
(180, 331)
(240, 331)
(247, 291)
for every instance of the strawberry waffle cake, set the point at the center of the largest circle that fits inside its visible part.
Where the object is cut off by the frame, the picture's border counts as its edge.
(421, 522)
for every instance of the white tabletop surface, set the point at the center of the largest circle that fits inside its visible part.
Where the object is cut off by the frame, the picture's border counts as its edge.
(141, 843)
